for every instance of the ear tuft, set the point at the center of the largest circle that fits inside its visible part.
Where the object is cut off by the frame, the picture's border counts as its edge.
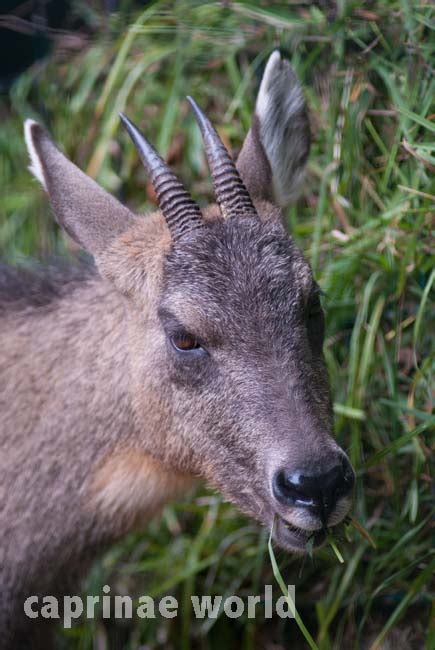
(275, 152)
(284, 127)
(279, 85)
(31, 131)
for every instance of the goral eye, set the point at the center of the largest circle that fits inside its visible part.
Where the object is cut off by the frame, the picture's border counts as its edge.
(184, 342)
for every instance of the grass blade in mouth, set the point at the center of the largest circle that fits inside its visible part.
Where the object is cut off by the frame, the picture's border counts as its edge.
(280, 580)
(334, 547)
(310, 546)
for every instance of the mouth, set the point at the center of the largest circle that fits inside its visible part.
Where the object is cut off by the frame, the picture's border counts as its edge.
(297, 539)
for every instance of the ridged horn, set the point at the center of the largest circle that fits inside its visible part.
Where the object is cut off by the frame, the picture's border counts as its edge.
(181, 212)
(231, 194)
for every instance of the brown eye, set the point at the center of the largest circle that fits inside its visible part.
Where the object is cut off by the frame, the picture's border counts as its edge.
(184, 342)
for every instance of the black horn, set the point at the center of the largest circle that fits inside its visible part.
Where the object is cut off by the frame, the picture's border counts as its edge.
(231, 193)
(181, 212)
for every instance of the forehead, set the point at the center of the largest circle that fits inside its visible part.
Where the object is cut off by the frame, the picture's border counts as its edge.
(238, 269)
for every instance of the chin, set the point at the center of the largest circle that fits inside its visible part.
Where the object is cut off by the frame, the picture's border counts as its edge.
(295, 539)
(295, 535)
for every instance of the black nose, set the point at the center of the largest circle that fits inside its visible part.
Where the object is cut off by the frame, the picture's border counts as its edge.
(317, 492)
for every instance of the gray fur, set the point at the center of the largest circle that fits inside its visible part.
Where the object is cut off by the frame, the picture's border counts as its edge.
(36, 286)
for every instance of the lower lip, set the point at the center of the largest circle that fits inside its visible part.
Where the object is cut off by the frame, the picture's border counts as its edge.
(296, 538)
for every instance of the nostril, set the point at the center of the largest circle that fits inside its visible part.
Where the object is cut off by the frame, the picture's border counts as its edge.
(314, 491)
(288, 489)
(336, 483)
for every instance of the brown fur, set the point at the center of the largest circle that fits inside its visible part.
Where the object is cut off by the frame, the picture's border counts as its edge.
(130, 486)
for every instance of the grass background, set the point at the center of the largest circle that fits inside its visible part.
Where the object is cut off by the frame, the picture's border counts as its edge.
(364, 221)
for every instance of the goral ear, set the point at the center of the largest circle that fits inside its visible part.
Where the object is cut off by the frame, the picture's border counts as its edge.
(129, 251)
(274, 155)
(91, 216)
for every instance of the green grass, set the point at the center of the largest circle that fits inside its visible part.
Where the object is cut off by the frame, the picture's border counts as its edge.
(364, 222)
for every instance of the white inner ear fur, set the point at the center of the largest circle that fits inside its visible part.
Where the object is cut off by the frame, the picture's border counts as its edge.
(35, 166)
(279, 99)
